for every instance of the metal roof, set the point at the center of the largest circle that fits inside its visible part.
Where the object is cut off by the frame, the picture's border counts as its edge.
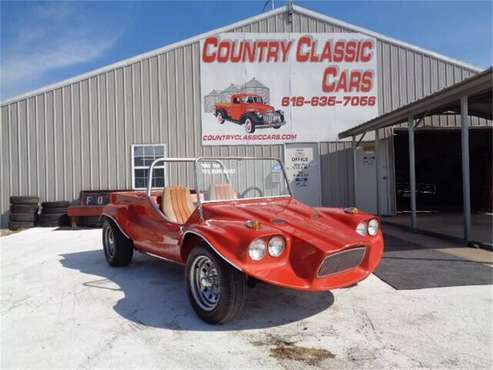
(477, 88)
(253, 83)
(229, 28)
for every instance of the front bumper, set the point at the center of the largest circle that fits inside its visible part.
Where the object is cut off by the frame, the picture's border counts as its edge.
(271, 119)
(301, 271)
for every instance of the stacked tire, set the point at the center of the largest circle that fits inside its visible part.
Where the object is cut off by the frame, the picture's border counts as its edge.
(53, 214)
(23, 212)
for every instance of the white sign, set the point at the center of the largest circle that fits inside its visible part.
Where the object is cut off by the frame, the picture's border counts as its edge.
(272, 88)
(302, 163)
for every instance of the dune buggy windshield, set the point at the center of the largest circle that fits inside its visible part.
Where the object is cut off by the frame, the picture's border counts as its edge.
(230, 179)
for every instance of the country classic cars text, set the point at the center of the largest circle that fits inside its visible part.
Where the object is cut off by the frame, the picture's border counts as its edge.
(306, 50)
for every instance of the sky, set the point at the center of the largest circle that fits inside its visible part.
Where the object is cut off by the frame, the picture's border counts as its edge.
(45, 42)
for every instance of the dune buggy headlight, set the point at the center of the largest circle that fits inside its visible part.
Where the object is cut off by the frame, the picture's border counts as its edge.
(259, 115)
(276, 246)
(256, 249)
(362, 229)
(373, 227)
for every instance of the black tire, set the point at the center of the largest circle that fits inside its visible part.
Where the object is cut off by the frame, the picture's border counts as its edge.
(22, 217)
(24, 200)
(54, 210)
(282, 116)
(231, 284)
(249, 125)
(18, 225)
(24, 208)
(55, 204)
(53, 220)
(120, 252)
(221, 116)
(277, 127)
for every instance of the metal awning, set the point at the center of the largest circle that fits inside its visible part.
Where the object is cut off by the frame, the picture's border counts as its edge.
(478, 89)
(470, 97)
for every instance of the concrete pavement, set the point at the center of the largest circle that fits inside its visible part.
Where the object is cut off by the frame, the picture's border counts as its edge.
(62, 306)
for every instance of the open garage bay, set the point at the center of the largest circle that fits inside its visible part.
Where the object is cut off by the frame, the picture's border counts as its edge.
(439, 194)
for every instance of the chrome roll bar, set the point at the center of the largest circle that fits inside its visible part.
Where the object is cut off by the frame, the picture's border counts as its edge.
(209, 159)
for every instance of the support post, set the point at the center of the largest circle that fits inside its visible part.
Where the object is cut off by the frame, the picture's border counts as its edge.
(412, 171)
(377, 169)
(466, 188)
(355, 169)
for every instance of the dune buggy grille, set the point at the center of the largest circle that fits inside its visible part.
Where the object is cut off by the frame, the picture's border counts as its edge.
(341, 261)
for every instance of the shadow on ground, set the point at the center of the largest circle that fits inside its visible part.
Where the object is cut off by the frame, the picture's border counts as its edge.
(155, 295)
(408, 265)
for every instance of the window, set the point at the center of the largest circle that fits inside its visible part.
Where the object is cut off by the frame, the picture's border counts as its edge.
(142, 158)
(253, 99)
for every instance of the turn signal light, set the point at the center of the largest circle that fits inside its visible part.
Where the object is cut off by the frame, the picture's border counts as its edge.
(351, 210)
(252, 224)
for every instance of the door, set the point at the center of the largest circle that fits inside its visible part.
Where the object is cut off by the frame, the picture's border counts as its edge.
(152, 232)
(236, 108)
(302, 162)
(366, 178)
(386, 174)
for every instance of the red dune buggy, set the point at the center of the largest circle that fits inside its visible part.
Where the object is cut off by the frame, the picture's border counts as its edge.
(232, 221)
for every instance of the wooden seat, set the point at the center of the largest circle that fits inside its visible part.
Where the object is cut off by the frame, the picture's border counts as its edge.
(221, 192)
(177, 204)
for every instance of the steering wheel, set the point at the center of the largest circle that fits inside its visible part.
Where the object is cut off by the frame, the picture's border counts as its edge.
(252, 188)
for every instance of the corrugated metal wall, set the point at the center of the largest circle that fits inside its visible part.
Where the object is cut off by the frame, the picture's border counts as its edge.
(79, 136)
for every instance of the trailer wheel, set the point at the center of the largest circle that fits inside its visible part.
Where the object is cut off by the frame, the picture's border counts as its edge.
(249, 125)
(216, 290)
(118, 249)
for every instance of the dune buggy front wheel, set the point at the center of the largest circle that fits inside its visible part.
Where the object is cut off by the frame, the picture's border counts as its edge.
(216, 290)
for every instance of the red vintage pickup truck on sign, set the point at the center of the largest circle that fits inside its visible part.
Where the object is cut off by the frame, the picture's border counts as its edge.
(233, 221)
(250, 111)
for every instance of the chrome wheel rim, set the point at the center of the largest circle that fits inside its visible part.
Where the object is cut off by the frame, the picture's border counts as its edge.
(204, 283)
(248, 125)
(109, 241)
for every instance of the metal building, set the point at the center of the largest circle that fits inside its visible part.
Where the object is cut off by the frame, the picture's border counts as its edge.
(82, 133)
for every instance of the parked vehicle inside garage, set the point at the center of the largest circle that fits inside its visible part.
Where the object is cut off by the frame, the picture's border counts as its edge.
(237, 223)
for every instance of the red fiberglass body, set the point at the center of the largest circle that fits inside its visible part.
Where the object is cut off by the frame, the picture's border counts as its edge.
(311, 234)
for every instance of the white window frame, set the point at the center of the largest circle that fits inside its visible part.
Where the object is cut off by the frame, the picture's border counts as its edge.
(134, 167)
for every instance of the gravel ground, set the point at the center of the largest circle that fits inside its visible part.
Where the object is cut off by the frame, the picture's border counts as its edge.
(62, 306)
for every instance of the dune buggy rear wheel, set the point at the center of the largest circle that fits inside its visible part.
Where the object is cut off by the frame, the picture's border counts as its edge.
(118, 250)
(216, 290)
